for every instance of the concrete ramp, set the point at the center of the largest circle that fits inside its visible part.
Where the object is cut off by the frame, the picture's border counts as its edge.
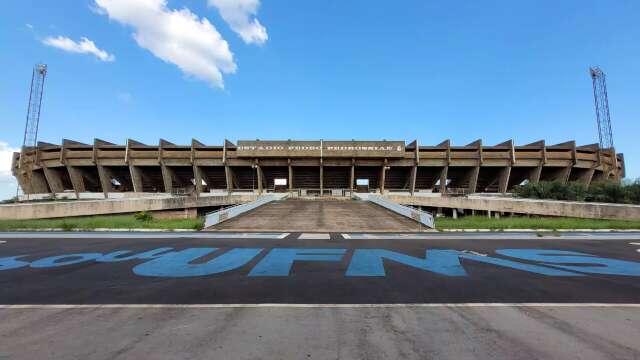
(301, 215)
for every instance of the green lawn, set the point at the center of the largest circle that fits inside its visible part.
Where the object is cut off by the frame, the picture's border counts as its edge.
(95, 222)
(484, 222)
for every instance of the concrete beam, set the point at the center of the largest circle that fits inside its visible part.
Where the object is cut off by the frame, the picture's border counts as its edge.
(473, 179)
(444, 173)
(167, 178)
(54, 179)
(525, 206)
(197, 178)
(77, 180)
(136, 178)
(503, 180)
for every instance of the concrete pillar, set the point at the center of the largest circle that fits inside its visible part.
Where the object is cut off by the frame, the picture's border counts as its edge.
(587, 177)
(105, 180)
(473, 179)
(489, 213)
(197, 178)
(167, 178)
(497, 215)
(455, 213)
(353, 176)
(473, 213)
(412, 181)
(54, 179)
(321, 179)
(290, 176)
(77, 180)
(228, 176)
(443, 179)
(383, 175)
(39, 183)
(259, 173)
(136, 178)
(535, 174)
(503, 181)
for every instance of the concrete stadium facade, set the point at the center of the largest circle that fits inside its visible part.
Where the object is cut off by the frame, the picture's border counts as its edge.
(310, 167)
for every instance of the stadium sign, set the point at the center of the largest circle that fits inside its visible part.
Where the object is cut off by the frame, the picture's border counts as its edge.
(269, 148)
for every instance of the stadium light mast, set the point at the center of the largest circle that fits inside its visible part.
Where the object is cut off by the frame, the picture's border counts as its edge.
(603, 117)
(30, 139)
(35, 104)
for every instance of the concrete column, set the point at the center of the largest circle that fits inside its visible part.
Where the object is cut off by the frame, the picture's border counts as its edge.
(489, 213)
(259, 175)
(197, 178)
(383, 175)
(412, 181)
(105, 180)
(136, 178)
(290, 176)
(77, 180)
(39, 183)
(535, 174)
(503, 181)
(565, 174)
(54, 179)
(497, 215)
(443, 179)
(321, 179)
(473, 179)
(455, 213)
(228, 176)
(167, 178)
(587, 177)
(353, 176)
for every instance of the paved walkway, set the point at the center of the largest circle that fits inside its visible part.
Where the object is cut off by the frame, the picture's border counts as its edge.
(320, 216)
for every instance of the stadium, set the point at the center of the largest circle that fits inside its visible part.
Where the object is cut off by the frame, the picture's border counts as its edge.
(308, 168)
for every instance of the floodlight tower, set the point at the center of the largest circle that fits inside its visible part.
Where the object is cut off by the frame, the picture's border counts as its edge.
(603, 118)
(35, 104)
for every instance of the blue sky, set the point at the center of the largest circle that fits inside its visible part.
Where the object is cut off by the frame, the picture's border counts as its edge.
(246, 69)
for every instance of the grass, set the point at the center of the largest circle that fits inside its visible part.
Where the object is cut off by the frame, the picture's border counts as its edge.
(96, 222)
(553, 223)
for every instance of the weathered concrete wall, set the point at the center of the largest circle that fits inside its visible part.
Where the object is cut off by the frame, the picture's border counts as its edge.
(525, 206)
(59, 209)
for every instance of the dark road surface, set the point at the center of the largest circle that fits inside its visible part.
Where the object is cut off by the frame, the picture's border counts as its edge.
(481, 269)
(319, 296)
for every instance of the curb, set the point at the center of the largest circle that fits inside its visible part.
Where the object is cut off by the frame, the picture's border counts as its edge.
(539, 230)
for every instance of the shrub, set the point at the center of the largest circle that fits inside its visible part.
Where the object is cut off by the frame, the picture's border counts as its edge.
(143, 216)
(65, 226)
(601, 191)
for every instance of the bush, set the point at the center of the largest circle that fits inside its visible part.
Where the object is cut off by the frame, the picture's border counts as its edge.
(143, 216)
(601, 191)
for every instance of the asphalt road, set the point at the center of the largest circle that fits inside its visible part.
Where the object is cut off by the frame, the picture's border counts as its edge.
(286, 296)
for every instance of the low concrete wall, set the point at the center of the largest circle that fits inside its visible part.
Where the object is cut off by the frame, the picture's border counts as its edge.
(58, 209)
(420, 216)
(525, 206)
(219, 216)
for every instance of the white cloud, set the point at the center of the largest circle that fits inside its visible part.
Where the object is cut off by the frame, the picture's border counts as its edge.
(178, 37)
(84, 46)
(7, 181)
(29, 26)
(240, 15)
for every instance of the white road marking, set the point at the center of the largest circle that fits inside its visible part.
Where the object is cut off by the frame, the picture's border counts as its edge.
(312, 236)
(634, 243)
(121, 235)
(2, 242)
(392, 305)
(489, 236)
